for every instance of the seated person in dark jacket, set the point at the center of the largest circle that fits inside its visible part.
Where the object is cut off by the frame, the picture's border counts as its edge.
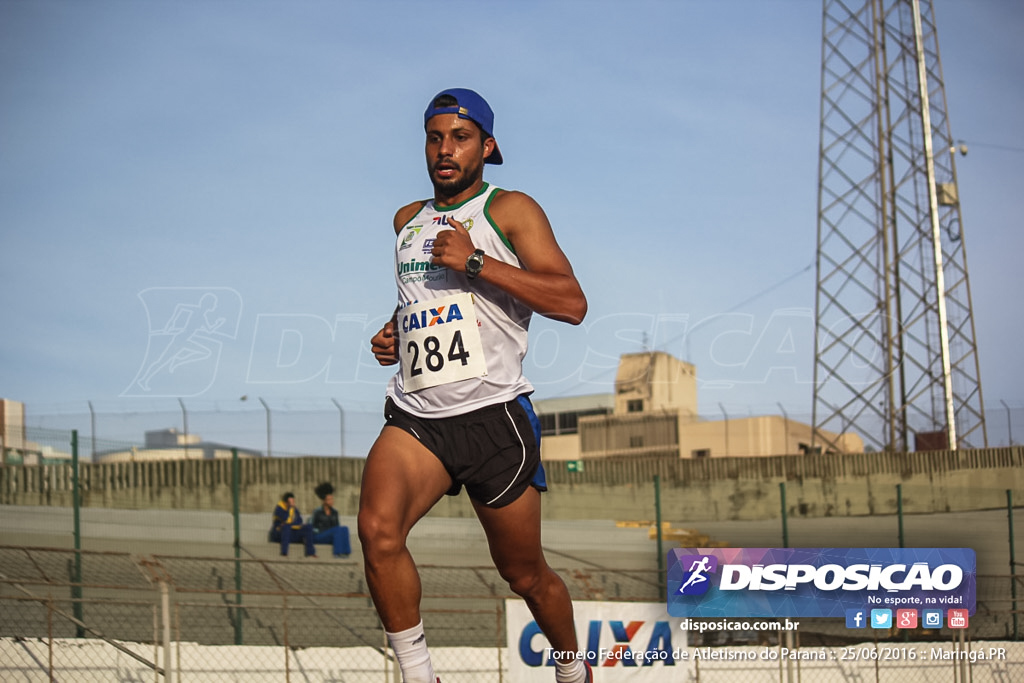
(288, 526)
(325, 522)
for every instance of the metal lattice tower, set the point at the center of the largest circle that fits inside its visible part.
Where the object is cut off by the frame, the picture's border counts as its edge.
(895, 351)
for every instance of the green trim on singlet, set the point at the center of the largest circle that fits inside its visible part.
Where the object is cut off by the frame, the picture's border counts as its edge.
(487, 215)
(483, 188)
(487, 212)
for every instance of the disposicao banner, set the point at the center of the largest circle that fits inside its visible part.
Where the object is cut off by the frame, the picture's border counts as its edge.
(821, 582)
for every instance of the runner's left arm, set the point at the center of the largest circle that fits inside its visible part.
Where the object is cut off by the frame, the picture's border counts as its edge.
(546, 283)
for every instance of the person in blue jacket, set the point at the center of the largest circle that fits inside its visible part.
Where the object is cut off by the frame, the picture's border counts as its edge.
(288, 526)
(326, 528)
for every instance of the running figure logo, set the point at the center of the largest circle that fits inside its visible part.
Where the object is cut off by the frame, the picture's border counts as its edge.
(187, 330)
(696, 581)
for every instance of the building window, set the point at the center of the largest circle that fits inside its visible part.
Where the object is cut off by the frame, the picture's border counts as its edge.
(553, 424)
(636, 442)
(548, 425)
(635, 405)
(701, 453)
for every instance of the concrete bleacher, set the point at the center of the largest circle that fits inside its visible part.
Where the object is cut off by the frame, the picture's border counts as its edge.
(195, 550)
(597, 559)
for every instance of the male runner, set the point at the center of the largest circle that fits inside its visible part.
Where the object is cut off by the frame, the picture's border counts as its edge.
(472, 265)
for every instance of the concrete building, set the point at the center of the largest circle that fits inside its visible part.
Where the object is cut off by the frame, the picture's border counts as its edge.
(12, 424)
(15, 448)
(653, 412)
(169, 444)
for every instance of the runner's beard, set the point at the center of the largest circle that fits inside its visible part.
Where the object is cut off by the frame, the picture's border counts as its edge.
(449, 187)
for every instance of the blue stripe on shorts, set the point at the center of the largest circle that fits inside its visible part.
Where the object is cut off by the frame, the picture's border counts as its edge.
(540, 479)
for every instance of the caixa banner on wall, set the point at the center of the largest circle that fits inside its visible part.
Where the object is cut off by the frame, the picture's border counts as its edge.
(623, 641)
(816, 582)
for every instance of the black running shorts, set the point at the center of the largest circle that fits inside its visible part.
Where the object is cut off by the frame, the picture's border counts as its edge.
(494, 451)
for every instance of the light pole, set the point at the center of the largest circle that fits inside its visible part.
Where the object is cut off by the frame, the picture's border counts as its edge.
(92, 430)
(726, 428)
(785, 417)
(341, 422)
(267, 408)
(1009, 422)
(184, 424)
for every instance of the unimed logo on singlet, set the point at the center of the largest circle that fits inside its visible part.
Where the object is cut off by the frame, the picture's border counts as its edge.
(421, 270)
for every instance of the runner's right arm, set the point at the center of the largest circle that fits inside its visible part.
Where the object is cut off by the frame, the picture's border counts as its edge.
(384, 344)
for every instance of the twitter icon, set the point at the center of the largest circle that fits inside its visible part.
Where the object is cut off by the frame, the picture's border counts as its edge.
(881, 618)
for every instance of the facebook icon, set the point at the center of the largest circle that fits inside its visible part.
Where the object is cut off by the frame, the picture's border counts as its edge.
(855, 618)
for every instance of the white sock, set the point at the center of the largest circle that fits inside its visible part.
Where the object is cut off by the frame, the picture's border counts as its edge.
(410, 648)
(570, 670)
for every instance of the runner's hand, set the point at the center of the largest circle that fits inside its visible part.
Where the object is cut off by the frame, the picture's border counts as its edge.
(452, 247)
(384, 345)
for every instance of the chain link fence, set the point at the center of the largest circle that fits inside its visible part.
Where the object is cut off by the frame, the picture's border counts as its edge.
(328, 427)
(74, 614)
(156, 617)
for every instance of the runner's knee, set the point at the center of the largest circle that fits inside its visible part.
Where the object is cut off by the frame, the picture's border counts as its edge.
(377, 535)
(526, 583)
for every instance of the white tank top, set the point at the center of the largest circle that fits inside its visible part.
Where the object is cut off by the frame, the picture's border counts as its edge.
(502, 320)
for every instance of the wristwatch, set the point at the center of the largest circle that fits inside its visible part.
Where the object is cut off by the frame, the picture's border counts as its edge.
(475, 263)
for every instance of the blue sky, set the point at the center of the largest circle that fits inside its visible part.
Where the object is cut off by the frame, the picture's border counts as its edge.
(151, 152)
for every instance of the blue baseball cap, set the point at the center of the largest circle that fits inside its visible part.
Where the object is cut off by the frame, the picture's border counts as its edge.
(470, 106)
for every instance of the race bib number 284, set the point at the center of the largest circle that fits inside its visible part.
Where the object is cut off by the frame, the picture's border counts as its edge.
(440, 342)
